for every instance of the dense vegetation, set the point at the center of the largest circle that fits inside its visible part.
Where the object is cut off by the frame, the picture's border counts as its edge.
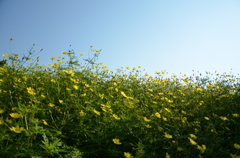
(68, 109)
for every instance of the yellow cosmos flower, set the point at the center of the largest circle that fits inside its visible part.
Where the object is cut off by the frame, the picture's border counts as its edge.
(157, 115)
(81, 54)
(17, 129)
(64, 52)
(15, 115)
(237, 146)
(193, 136)
(31, 91)
(168, 136)
(202, 148)
(192, 141)
(206, 118)
(44, 122)
(146, 119)
(51, 105)
(96, 112)
(116, 141)
(148, 126)
(75, 87)
(116, 117)
(127, 155)
(52, 58)
(11, 38)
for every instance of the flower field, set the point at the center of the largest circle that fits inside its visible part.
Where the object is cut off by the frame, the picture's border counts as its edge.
(73, 110)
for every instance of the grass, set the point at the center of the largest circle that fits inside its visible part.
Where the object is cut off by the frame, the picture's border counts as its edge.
(68, 109)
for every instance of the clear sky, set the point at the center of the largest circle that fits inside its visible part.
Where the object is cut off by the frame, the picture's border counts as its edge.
(171, 35)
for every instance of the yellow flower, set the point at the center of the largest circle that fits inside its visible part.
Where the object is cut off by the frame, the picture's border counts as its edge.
(192, 141)
(15, 115)
(64, 52)
(201, 148)
(148, 126)
(237, 146)
(17, 129)
(75, 87)
(167, 136)
(167, 156)
(81, 113)
(91, 46)
(96, 112)
(51, 105)
(157, 115)
(223, 118)
(31, 91)
(52, 58)
(116, 117)
(11, 38)
(81, 54)
(127, 155)
(61, 101)
(193, 136)
(146, 119)
(44, 122)
(164, 118)
(206, 118)
(116, 141)
(1, 111)
(235, 115)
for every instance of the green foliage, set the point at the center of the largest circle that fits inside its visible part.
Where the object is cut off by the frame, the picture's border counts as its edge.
(68, 109)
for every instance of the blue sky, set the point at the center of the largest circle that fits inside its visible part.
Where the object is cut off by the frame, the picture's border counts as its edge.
(171, 35)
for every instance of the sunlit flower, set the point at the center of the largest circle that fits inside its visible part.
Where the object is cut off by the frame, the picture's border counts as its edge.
(157, 115)
(15, 115)
(166, 135)
(81, 113)
(146, 119)
(75, 87)
(81, 54)
(116, 117)
(235, 115)
(116, 141)
(51, 105)
(127, 155)
(148, 126)
(44, 122)
(223, 118)
(64, 52)
(61, 101)
(52, 58)
(206, 118)
(17, 129)
(31, 91)
(192, 141)
(201, 148)
(193, 136)
(11, 38)
(96, 112)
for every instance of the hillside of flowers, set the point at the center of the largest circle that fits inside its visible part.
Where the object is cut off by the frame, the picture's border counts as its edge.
(69, 109)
